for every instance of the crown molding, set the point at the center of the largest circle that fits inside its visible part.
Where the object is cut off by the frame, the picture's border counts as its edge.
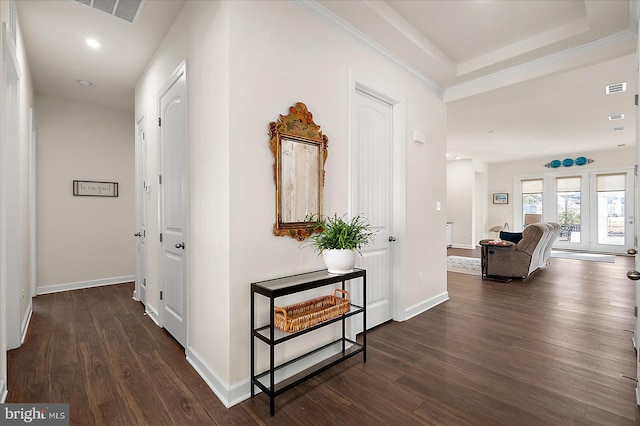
(513, 75)
(536, 68)
(325, 15)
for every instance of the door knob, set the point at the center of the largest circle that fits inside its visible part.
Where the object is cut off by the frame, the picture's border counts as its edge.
(180, 245)
(391, 238)
(137, 234)
(633, 275)
(632, 251)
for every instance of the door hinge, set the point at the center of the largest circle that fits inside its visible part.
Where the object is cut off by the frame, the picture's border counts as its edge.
(142, 135)
(144, 233)
(160, 295)
(635, 311)
(635, 170)
(159, 121)
(161, 237)
(144, 282)
(159, 178)
(636, 101)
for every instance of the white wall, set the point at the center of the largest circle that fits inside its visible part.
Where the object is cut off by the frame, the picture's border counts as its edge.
(239, 81)
(300, 58)
(501, 175)
(83, 240)
(25, 103)
(200, 35)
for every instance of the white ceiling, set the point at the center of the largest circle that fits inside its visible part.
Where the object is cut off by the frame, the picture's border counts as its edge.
(532, 71)
(54, 34)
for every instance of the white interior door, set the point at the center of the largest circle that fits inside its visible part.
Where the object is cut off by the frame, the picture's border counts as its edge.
(173, 205)
(11, 226)
(372, 196)
(142, 197)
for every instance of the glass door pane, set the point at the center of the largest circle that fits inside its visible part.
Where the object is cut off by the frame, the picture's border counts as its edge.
(569, 216)
(569, 201)
(611, 217)
(611, 221)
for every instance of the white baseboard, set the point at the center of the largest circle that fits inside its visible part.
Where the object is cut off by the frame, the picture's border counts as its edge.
(135, 296)
(637, 395)
(151, 313)
(217, 385)
(421, 307)
(463, 246)
(56, 288)
(3, 391)
(231, 395)
(25, 322)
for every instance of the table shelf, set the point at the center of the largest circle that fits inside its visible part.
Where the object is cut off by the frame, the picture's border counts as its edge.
(337, 351)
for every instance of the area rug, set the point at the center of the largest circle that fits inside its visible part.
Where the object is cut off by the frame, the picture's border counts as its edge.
(464, 265)
(609, 258)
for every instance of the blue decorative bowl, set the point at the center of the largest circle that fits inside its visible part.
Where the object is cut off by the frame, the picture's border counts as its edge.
(555, 164)
(567, 162)
(581, 161)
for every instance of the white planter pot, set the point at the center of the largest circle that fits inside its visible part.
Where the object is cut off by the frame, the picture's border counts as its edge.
(339, 261)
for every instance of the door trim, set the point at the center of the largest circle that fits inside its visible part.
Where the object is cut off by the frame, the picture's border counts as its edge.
(139, 181)
(357, 83)
(179, 71)
(33, 173)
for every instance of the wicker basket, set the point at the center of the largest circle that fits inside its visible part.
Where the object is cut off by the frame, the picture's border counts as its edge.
(306, 314)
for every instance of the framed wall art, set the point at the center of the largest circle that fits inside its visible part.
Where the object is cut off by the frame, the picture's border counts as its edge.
(90, 188)
(500, 198)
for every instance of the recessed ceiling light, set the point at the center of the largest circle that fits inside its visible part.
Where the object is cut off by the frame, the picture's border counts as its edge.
(616, 116)
(618, 129)
(93, 43)
(622, 144)
(85, 83)
(448, 154)
(492, 131)
(458, 158)
(615, 88)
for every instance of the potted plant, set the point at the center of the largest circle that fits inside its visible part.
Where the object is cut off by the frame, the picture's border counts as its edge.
(338, 240)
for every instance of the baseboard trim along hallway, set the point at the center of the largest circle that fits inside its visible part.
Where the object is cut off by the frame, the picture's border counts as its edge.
(56, 288)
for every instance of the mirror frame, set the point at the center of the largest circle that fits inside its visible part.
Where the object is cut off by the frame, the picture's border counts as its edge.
(298, 125)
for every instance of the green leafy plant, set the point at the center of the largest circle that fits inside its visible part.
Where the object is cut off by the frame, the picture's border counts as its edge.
(337, 233)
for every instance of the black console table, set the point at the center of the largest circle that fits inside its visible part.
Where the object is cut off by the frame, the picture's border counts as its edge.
(268, 334)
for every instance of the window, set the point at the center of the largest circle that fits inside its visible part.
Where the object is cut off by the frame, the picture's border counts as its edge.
(532, 191)
(568, 193)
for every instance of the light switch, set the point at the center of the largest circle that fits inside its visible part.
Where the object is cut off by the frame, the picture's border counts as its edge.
(438, 206)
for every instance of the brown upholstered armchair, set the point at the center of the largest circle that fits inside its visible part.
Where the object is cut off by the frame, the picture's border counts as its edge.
(509, 259)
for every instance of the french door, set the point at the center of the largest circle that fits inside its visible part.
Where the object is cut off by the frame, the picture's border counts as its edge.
(595, 210)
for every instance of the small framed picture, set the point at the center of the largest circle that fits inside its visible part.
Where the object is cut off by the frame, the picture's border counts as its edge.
(90, 188)
(500, 198)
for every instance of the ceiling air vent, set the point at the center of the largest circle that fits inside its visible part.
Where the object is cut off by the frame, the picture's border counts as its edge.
(129, 10)
(615, 88)
(616, 117)
(618, 129)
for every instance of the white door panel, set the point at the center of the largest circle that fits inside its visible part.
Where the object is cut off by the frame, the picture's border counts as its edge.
(372, 196)
(173, 206)
(142, 210)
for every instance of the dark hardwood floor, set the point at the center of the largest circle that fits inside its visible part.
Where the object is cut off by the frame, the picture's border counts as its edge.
(554, 349)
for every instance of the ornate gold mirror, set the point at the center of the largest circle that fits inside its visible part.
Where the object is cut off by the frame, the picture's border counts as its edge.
(299, 151)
